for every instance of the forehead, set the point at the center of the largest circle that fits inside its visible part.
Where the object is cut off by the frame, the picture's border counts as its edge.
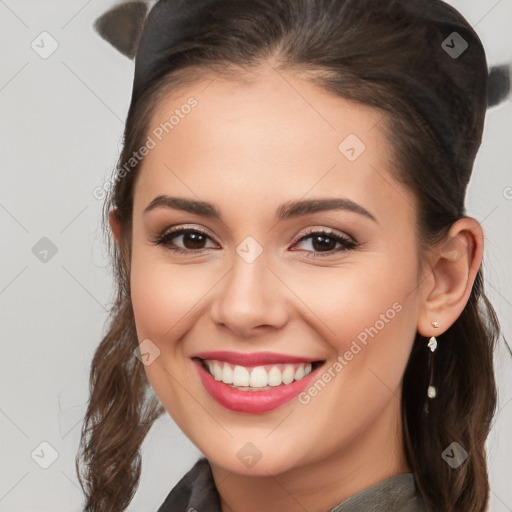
(265, 102)
(271, 133)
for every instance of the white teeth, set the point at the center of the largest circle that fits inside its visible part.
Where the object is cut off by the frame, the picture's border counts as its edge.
(217, 370)
(299, 372)
(288, 374)
(240, 376)
(258, 376)
(274, 376)
(227, 374)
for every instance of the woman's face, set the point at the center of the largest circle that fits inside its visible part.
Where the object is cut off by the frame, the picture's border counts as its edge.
(262, 278)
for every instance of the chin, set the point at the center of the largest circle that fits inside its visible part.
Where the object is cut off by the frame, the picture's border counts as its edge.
(247, 459)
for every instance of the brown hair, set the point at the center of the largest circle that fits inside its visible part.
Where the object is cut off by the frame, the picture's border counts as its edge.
(376, 53)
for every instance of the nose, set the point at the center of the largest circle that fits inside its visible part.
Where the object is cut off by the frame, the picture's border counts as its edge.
(250, 299)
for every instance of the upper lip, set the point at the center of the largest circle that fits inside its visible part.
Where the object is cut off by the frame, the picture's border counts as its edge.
(253, 358)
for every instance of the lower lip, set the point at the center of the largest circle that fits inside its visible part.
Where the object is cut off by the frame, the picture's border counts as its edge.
(255, 402)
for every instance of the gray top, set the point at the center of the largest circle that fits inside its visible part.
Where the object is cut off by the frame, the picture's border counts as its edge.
(197, 491)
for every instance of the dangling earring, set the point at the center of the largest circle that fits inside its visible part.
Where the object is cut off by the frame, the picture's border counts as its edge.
(432, 345)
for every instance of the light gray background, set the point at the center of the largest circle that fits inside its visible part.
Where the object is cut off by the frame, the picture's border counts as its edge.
(60, 128)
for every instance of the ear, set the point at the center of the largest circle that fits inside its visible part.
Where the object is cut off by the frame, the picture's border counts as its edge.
(115, 225)
(453, 268)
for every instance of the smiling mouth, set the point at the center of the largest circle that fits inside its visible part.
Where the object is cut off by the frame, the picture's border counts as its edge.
(258, 378)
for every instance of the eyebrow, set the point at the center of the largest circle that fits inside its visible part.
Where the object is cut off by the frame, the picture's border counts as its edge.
(285, 211)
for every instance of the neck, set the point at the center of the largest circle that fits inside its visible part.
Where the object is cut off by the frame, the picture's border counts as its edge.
(374, 456)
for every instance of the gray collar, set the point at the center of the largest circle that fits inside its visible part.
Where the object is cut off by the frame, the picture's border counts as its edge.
(196, 490)
(397, 493)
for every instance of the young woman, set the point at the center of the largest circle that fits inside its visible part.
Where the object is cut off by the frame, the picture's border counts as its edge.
(297, 280)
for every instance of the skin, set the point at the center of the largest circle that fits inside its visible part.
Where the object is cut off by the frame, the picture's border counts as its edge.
(248, 148)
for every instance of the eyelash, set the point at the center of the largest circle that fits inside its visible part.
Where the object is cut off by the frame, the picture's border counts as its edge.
(348, 244)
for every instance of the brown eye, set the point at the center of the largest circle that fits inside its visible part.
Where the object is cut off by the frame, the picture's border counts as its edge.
(323, 243)
(192, 240)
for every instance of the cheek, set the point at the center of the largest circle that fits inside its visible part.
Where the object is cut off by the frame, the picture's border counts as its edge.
(348, 300)
(367, 315)
(367, 318)
(164, 296)
(168, 298)
(165, 300)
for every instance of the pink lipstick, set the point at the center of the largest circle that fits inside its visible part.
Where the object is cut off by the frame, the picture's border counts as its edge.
(254, 383)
